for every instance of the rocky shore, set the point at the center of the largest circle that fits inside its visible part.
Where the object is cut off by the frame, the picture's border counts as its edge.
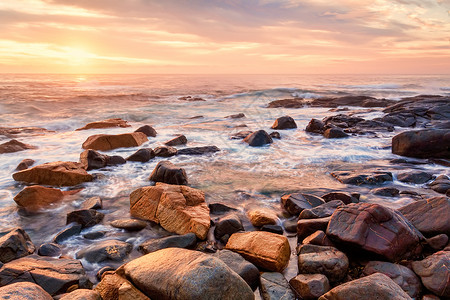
(337, 245)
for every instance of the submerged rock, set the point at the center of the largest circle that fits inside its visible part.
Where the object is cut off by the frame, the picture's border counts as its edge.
(334, 133)
(147, 130)
(236, 116)
(15, 244)
(417, 177)
(167, 172)
(109, 123)
(315, 126)
(92, 203)
(258, 138)
(106, 250)
(69, 231)
(106, 142)
(198, 150)
(50, 249)
(428, 143)
(14, 146)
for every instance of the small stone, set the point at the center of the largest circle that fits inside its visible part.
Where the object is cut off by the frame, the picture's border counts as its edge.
(275, 135)
(142, 155)
(262, 216)
(438, 242)
(92, 203)
(220, 208)
(176, 141)
(25, 164)
(92, 159)
(236, 116)
(14, 146)
(334, 133)
(274, 286)
(165, 151)
(69, 231)
(441, 184)
(297, 202)
(272, 228)
(285, 122)
(310, 286)
(198, 150)
(50, 249)
(175, 241)
(109, 123)
(129, 224)
(102, 271)
(147, 129)
(315, 126)
(347, 198)
(228, 225)
(115, 160)
(85, 217)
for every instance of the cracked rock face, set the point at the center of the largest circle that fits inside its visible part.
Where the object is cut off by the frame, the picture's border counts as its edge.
(105, 142)
(435, 273)
(273, 285)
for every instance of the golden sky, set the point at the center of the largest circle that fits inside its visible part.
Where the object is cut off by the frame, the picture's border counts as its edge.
(229, 36)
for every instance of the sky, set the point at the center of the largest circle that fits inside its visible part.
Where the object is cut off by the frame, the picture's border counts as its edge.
(225, 37)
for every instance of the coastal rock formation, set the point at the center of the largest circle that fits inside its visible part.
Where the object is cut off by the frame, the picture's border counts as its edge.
(266, 250)
(427, 143)
(109, 123)
(15, 244)
(176, 208)
(273, 285)
(115, 287)
(24, 291)
(176, 141)
(258, 138)
(57, 173)
(285, 122)
(142, 155)
(187, 240)
(198, 150)
(435, 273)
(297, 202)
(147, 130)
(375, 228)
(14, 146)
(114, 250)
(106, 142)
(167, 172)
(310, 286)
(34, 198)
(175, 273)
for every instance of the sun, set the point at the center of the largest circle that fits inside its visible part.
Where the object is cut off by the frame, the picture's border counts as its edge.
(77, 56)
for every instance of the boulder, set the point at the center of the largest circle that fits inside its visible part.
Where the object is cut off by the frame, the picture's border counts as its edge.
(429, 216)
(324, 260)
(273, 286)
(36, 197)
(297, 202)
(110, 287)
(318, 238)
(106, 142)
(438, 242)
(306, 227)
(85, 217)
(310, 286)
(142, 155)
(50, 249)
(334, 133)
(386, 192)
(321, 211)
(315, 126)
(401, 275)
(376, 229)
(14, 146)
(15, 244)
(248, 271)
(129, 224)
(362, 178)
(147, 130)
(176, 208)
(109, 123)
(416, 177)
(376, 286)
(82, 294)
(176, 141)
(114, 250)
(185, 274)
(165, 151)
(55, 173)
(262, 216)
(198, 150)
(69, 231)
(91, 159)
(187, 240)
(228, 225)
(441, 184)
(435, 273)
(285, 122)
(54, 275)
(25, 164)
(427, 143)
(115, 160)
(266, 250)
(275, 135)
(167, 172)
(272, 228)
(92, 203)
(24, 291)
(258, 138)
(347, 198)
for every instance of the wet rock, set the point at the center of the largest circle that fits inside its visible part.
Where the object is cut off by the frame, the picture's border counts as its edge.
(401, 119)
(428, 143)
(165, 151)
(275, 135)
(82, 294)
(220, 208)
(375, 228)
(318, 238)
(147, 130)
(321, 211)
(290, 225)
(310, 286)
(187, 240)
(434, 273)
(102, 271)
(50, 249)
(91, 159)
(15, 244)
(375, 286)
(386, 192)
(258, 138)
(272, 228)
(115, 160)
(176, 208)
(85, 217)
(228, 225)
(306, 227)
(190, 98)
(240, 135)
(129, 224)
(438, 242)
(109, 123)
(127, 291)
(106, 142)
(315, 126)
(273, 286)
(55, 173)
(110, 285)
(266, 250)
(347, 198)
(262, 216)
(248, 271)
(441, 184)
(92, 203)
(417, 177)
(430, 297)
(351, 100)
(297, 202)
(334, 133)
(14, 131)
(14, 146)
(342, 121)
(54, 275)
(69, 231)
(95, 235)
(142, 155)
(184, 274)
(198, 150)
(24, 291)
(36, 197)
(176, 141)
(167, 172)
(429, 216)
(287, 103)
(285, 122)
(328, 261)
(24, 164)
(114, 250)
(401, 275)
(236, 116)
(362, 178)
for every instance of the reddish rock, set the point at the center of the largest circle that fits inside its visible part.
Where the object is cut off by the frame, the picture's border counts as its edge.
(306, 227)
(34, 198)
(176, 141)
(434, 272)
(318, 238)
(285, 122)
(110, 285)
(91, 159)
(438, 242)
(375, 228)
(82, 294)
(297, 202)
(441, 185)
(428, 143)
(310, 286)
(377, 177)
(24, 164)
(14, 146)
(109, 123)
(105, 142)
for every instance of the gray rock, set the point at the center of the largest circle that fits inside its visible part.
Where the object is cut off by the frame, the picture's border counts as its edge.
(274, 286)
(272, 228)
(386, 192)
(50, 249)
(129, 224)
(428, 143)
(220, 208)
(106, 250)
(438, 242)
(92, 159)
(441, 184)
(69, 231)
(315, 126)
(15, 244)
(175, 241)
(165, 151)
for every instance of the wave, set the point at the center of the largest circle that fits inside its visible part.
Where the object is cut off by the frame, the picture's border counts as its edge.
(274, 92)
(381, 86)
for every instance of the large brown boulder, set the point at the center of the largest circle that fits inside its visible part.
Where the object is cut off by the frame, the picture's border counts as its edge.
(266, 250)
(375, 228)
(14, 146)
(434, 272)
(105, 142)
(115, 287)
(428, 143)
(377, 286)
(33, 198)
(109, 123)
(82, 294)
(176, 208)
(167, 172)
(55, 276)
(15, 244)
(59, 173)
(24, 291)
(175, 273)
(430, 216)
